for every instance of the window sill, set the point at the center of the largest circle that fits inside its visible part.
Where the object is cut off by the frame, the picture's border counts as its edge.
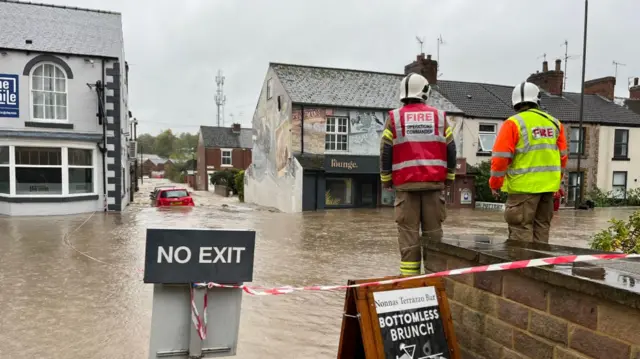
(49, 124)
(48, 198)
(574, 156)
(226, 166)
(483, 154)
(620, 159)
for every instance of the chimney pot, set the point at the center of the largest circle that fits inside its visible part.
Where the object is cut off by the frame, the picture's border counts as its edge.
(558, 63)
(545, 66)
(635, 82)
(428, 57)
(420, 57)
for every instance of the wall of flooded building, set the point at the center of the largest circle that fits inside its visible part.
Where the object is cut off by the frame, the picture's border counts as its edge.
(365, 130)
(274, 178)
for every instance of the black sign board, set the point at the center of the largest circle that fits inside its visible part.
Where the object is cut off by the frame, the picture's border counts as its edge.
(411, 324)
(352, 164)
(180, 256)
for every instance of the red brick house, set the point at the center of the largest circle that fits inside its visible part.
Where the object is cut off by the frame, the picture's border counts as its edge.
(222, 148)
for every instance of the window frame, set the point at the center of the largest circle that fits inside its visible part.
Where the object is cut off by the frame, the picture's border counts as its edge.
(480, 149)
(222, 157)
(336, 132)
(8, 166)
(92, 167)
(626, 184)
(31, 96)
(616, 144)
(64, 166)
(581, 141)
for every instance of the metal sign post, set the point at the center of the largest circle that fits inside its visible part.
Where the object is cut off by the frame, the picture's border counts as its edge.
(189, 322)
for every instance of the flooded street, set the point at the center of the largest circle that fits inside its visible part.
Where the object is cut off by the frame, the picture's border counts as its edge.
(58, 303)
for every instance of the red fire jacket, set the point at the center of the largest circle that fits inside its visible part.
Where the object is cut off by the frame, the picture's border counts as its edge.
(419, 144)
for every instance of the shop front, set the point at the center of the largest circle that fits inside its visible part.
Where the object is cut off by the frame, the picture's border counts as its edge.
(342, 182)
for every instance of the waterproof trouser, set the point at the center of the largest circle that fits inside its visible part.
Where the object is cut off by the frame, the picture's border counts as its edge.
(529, 216)
(413, 210)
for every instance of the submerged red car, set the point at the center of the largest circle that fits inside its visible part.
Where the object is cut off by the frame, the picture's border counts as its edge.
(166, 197)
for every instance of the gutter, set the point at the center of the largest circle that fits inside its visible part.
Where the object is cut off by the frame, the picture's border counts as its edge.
(103, 118)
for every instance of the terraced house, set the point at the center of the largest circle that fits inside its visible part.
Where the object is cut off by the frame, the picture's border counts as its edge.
(64, 119)
(317, 131)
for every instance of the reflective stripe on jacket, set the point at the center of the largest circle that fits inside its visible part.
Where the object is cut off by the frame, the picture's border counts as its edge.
(534, 162)
(419, 144)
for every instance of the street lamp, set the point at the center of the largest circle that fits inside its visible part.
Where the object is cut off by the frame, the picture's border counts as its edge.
(578, 198)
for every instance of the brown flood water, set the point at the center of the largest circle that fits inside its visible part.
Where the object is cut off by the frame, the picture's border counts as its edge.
(57, 303)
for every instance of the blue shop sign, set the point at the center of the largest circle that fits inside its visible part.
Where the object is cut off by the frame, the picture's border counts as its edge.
(9, 97)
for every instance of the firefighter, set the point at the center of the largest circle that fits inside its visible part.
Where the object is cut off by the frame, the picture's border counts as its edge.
(529, 155)
(417, 158)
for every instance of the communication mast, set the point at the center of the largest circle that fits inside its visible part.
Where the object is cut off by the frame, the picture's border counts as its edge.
(616, 64)
(440, 42)
(567, 57)
(220, 98)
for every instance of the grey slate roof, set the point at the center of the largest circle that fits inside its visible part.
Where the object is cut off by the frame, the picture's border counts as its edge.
(60, 29)
(494, 101)
(346, 88)
(223, 137)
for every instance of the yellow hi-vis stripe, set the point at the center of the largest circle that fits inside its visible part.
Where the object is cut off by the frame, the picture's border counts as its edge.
(451, 176)
(448, 132)
(409, 268)
(385, 178)
(387, 134)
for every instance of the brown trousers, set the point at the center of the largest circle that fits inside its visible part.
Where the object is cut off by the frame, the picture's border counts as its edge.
(413, 209)
(529, 216)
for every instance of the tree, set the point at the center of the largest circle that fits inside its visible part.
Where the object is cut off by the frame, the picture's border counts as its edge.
(483, 192)
(146, 143)
(164, 144)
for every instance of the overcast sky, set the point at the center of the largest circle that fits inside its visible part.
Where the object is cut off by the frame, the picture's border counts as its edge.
(174, 48)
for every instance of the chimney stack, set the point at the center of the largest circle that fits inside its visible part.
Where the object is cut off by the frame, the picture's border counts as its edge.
(550, 81)
(424, 66)
(603, 86)
(634, 91)
(235, 128)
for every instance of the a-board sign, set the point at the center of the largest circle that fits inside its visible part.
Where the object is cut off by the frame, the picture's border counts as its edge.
(406, 320)
(175, 256)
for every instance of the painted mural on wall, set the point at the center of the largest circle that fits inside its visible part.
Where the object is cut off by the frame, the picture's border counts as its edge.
(365, 132)
(314, 129)
(282, 153)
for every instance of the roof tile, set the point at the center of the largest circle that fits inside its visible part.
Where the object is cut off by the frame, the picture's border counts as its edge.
(223, 137)
(60, 29)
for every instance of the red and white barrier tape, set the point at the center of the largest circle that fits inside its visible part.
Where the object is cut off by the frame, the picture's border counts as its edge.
(253, 290)
(201, 323)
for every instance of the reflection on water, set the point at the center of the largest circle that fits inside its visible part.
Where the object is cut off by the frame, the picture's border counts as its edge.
(58, 303)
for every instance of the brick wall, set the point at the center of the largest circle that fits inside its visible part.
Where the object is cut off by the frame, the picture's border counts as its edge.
(202, 180)
(604, 87)
(505, 315)
(550, 81)
(240, 158)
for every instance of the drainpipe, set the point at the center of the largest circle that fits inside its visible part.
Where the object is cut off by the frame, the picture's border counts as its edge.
(301, 129)
(104, 140)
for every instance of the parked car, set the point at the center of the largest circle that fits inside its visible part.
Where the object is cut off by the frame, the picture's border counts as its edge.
(154, 193)
(173, 197)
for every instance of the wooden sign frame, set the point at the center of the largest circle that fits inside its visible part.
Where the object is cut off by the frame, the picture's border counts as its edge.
(361, 337)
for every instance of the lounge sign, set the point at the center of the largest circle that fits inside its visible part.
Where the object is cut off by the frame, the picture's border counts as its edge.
(198, 255)
(352, 164)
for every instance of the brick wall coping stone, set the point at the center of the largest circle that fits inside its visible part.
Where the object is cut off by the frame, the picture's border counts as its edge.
(615, 280)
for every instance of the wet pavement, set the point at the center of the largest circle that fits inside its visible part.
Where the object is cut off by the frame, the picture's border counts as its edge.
(72, 285)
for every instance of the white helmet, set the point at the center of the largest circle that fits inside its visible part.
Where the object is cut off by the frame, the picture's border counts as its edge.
(525, 92)
(414, 86)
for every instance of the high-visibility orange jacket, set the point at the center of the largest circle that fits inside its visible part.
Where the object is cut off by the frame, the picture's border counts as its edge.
(506, 143)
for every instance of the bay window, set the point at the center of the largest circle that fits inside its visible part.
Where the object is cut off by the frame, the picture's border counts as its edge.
(5, 170)
(80, 170)
(38, 170)
(46, 171)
